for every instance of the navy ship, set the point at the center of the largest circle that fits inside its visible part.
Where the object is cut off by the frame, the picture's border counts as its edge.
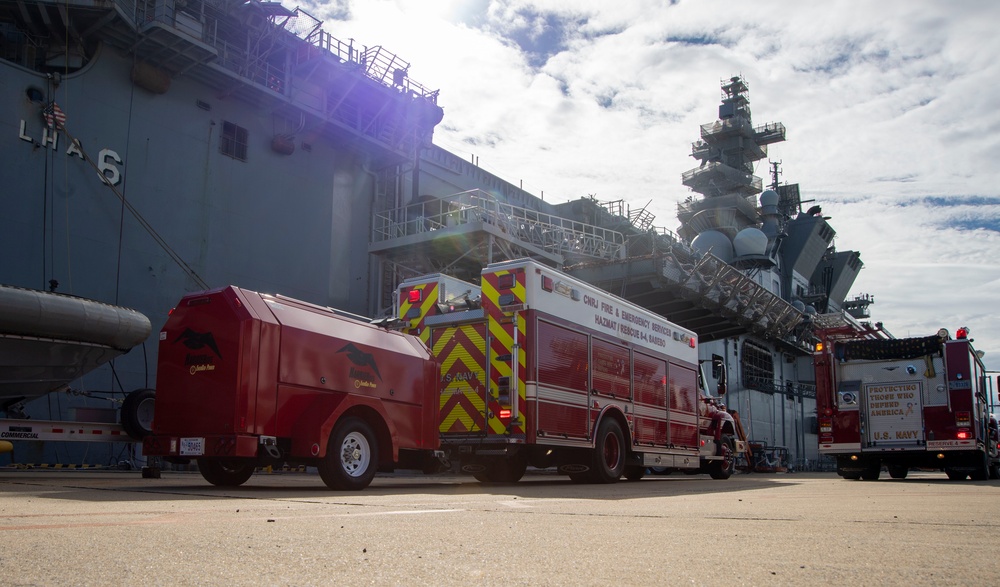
(160, 147)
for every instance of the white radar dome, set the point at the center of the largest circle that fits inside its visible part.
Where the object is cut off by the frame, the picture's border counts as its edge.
(716, 242)
(769, 198)
(750, 241)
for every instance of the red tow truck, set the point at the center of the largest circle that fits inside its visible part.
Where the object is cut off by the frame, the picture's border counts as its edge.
(247, 379)
(541, 369)
(905, 403)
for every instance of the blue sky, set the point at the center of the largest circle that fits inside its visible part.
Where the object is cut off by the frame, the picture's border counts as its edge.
(890, 108)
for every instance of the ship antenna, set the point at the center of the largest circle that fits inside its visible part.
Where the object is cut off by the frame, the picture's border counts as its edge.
(775, 172)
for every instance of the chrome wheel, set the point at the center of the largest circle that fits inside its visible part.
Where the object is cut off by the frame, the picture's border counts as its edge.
(355, 454)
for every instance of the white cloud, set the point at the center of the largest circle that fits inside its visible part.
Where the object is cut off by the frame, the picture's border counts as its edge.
(888, 105)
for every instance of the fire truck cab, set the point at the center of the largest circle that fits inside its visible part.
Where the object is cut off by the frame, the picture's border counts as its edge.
(540, 369)
(906, 403)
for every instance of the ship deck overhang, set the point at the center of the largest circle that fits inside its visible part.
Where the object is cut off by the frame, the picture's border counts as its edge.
(706, 295)
(171, 49)
(385, 123)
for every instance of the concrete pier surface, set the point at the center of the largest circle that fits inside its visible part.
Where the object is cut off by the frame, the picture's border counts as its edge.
(69, 527)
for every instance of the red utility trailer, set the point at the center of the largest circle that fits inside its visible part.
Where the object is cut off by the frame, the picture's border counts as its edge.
(246, 379)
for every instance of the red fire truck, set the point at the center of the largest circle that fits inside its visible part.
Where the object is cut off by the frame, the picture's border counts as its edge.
(247, 379)
(905, 403)
(540, 369)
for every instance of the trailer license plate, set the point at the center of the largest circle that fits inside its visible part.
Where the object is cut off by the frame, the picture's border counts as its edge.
(192, 447)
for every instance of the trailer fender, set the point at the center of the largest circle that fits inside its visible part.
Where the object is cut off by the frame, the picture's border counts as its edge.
(312, 431)
(371, 410)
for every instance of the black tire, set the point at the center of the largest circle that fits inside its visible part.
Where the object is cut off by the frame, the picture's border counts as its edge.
(137, 413)
(351, 459)
(848, 469)
(505, 470)
(993, 464)
(226, 472)
(635, 473)
(982, 472)
(872, 471)
(609, 452)
(432, 465)
(727, 450)
(955, 475)
(898, 471)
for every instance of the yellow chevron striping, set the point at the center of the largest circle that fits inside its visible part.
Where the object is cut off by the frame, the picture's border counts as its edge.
(459, 414)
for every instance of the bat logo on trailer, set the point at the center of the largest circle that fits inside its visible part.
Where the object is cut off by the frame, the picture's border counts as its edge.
(361, 359)
(197, 341)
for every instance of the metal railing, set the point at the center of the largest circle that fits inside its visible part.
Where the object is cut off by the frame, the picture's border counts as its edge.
(376, 62)
(771, 132)
(235, 46)
(519, 225)
(720, 173)
(735, 125)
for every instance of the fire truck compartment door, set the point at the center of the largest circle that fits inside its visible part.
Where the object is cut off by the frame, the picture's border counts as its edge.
(464, 381)
(890, 396)
(893, 414)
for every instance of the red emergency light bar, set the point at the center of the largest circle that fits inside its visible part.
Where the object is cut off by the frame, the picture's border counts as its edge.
(415, 296)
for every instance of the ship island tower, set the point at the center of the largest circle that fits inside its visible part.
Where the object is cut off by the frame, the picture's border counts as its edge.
(725, 219)
(788, 251)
